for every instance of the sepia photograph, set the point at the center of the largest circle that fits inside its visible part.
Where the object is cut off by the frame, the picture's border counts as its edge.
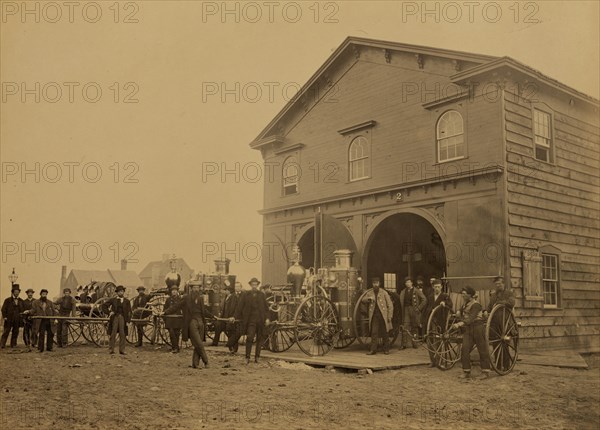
(300, 214)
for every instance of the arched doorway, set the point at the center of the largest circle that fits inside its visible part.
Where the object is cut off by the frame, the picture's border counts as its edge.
(404, 244)
(307, 247)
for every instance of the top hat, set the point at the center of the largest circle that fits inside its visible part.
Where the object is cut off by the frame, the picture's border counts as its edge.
(254, 280)
(119, 288)
(15, 287)
(29, 290)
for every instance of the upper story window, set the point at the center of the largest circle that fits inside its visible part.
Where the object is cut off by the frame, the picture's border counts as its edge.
(542, 136)
(290, 175)
(358, 159)
(450, 136)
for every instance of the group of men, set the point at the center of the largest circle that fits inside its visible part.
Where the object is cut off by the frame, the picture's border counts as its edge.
(415, 306)
(247, 313)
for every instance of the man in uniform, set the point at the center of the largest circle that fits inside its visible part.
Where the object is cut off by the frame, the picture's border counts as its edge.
(119, 310)
(439, 298)
(140, 312)
(252, 311)
(44, 327)
(192, 305)
(381, 311)
(473, 326)
(174, 322)
(413, 302)
(11, 314)
(66, 308)
(29, 336)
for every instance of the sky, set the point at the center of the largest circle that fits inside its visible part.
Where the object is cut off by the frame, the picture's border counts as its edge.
(124, 126)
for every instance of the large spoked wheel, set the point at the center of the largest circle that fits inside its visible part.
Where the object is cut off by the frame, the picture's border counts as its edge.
(98, 333)
(157, 305)
(316, 325)
(74, 330)
(443, 342)
(282, 334)
(132, 333)
(361, 323)
(502, 336)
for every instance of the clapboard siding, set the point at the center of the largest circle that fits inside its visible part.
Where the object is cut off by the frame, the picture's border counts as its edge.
(403, 141)
(555, 204)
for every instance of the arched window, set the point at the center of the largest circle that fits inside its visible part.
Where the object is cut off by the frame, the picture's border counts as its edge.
(290, 175)
(450, 136)
(358, 159)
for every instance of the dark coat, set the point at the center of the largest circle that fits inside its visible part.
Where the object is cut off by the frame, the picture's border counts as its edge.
(11, 310)
(66, 305)
(38, 310)
(174, 322)
(505, 297)
(418, 302)
(187, 307)
(111, 306)
(140, 301)
(229, 306)
(441, 317)
(244, 308)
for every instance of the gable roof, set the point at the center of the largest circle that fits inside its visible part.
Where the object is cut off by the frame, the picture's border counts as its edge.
(484, 63)
(147, 271)
(127, 278)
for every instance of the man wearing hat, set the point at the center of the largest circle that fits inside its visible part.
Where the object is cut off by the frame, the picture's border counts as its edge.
(228, 305)
(413, 302)
(44, 327)
(252, 312)
(381, 311)
(66, 308)
(192, 305)
(84, 296)
(119, 314)
(501, 295)
(11, 314)
(174, 321)
(232, 328)
(472, 325)
(29, 336)
(140, 312)
(439, 298)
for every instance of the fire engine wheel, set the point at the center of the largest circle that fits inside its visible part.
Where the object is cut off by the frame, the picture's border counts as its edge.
(74, 330)
(361, 324)
(132, 333)
(443, 342)
(97, 310)
(98, 333)
(281, 332)
(502, 336)
(316, 325)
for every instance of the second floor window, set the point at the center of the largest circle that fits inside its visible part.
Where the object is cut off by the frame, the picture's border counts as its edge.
(290, 176)
(450, 136)
(359, 159)
(542, 136)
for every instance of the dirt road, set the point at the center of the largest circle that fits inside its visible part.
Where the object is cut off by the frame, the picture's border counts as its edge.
(85, 387)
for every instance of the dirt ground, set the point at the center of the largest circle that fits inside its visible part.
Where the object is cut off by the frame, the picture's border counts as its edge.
(85, 387)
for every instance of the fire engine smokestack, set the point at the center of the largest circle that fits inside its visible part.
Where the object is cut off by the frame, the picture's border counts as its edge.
(222, 266)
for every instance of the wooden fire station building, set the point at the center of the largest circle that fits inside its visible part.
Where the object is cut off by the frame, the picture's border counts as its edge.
(444, 163)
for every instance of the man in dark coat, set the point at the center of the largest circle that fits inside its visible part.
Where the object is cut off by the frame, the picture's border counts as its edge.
(44, 326)
(439, 298)
(29, 335)
(11, 314)
(252, 312)
(192, 305)
(227, 311)
(233, 327)
(174, 322)
(140, 311)
(66, 308)
(119, 314)
(413, 302)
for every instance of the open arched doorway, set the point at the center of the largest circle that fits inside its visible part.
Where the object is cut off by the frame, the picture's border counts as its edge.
(404, 244)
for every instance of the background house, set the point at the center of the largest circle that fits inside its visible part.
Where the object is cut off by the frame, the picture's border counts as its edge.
(153, 275)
